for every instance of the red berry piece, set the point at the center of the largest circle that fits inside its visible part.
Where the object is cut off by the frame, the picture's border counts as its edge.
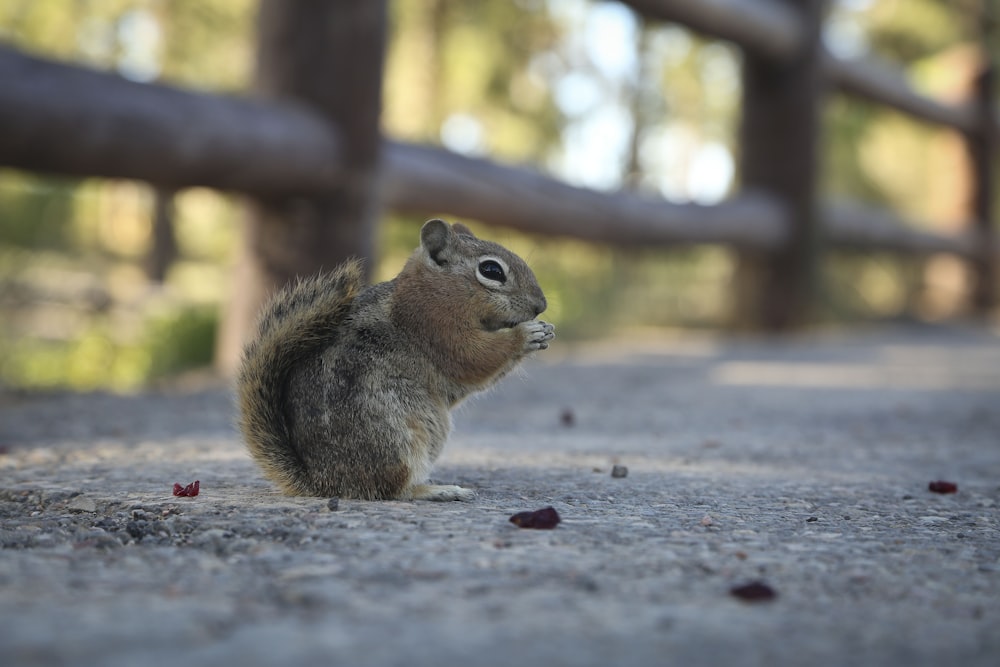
(189, 491)
(755, 591)
(941, 486)
(543, 519)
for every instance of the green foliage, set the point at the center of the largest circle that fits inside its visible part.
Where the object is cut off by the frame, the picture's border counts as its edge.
(200, 43)
(97, 357)
(63, 28)
(908, 30)
(846, 124)
(92, 360)
(180, 339)
(208, 43)
(76, 309)
(449, 57)
(36, 211)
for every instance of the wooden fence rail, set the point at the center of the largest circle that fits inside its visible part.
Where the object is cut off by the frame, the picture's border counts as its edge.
(306, 148)
(772, 29)
(853, 225)
(71, 120)
(879, 82)
(124, 129)
(420, 179)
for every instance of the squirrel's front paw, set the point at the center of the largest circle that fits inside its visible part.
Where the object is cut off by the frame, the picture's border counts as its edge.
(537, 335)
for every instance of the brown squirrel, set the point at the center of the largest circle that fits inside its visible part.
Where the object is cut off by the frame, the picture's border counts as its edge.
(346, 391)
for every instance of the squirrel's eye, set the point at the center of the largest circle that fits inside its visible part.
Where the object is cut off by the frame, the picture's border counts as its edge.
(491, 270)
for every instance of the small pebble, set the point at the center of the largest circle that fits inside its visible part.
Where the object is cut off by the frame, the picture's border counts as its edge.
(707, 521)
(567, 417)
(812, 519)
(333, 504)
(82, 504)
(619, 471)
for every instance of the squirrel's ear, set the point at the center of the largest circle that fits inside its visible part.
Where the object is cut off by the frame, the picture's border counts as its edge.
(459, 228)
(434, 238)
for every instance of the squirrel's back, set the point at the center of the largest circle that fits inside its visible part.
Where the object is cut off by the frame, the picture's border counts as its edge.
(296, 323)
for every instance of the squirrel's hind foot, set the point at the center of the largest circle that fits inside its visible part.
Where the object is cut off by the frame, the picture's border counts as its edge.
(441, 492)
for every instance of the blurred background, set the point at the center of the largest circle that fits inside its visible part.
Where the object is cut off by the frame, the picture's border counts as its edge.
(582, 90)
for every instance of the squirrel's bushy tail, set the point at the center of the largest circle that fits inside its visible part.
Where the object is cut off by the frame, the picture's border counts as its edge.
(296, 322)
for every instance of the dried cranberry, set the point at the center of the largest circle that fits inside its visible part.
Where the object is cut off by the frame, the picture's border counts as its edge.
(941, 486)
(189, 491)
(755, 591)
(544, 519)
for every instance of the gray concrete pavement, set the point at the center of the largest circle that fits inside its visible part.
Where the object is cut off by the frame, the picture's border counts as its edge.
(803, 464)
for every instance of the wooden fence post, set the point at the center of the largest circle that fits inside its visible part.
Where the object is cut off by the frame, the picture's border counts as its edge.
(329, 56)
(779, 143)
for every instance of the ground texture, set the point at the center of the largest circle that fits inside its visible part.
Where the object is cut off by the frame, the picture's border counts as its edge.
(800, 464)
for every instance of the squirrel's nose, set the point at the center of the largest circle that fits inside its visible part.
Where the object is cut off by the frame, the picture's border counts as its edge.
(540, 306)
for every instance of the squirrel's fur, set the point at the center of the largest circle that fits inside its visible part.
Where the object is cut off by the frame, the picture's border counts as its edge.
(346, 390)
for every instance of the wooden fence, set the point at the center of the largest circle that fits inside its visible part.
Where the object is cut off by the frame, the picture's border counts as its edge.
(307, 149)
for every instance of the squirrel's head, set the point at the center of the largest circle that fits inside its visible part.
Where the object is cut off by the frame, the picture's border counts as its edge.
(499, 286)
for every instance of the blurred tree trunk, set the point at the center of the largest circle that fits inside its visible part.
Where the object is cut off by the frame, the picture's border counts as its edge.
(327, 55)
(639, 104)
(437, 24)
(163, 249)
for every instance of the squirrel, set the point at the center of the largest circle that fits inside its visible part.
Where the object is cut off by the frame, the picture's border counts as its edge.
(346, 391)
